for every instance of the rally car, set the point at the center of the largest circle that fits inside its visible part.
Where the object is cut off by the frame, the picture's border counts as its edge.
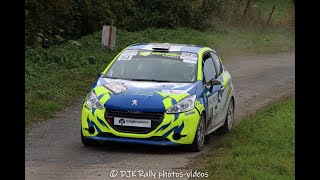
(160, 94)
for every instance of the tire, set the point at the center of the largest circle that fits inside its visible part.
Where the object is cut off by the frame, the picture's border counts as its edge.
(86, 142)
(199, 138)
(229, 121)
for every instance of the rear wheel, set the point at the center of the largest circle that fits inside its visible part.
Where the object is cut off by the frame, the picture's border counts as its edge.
(199, 138)
(229, 121)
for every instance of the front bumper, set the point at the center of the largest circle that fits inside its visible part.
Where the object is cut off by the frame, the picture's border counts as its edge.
(183, 124)
(131, 140)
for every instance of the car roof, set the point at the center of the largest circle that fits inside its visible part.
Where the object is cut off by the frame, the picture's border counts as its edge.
(172, 47)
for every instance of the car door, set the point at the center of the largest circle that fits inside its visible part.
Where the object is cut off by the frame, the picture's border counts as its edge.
(223, 92)
(210, 97)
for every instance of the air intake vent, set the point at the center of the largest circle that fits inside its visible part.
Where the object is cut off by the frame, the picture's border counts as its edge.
(161, 47)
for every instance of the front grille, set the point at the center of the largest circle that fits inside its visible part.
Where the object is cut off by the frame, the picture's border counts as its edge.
(156, 119)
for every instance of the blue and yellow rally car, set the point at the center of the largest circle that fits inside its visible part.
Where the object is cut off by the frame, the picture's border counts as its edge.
(160, 94)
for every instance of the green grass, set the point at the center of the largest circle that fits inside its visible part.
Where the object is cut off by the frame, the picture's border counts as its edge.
(62, 74)
(260, 147)
(250, 40)
(257, 14)
(283, 11)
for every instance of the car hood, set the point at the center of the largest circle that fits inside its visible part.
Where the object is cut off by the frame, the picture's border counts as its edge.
(141, 96)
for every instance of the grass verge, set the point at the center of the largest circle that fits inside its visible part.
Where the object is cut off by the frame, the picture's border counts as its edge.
(57, 76)
(260, 147)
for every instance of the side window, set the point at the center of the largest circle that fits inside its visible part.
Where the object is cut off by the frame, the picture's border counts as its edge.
(217, 63)
(209, 70)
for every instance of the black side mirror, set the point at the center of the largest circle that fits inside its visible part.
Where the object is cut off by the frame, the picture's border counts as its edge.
(213, 83)
(100, 73)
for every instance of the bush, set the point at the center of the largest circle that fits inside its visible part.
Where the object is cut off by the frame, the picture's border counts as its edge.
(50, 22)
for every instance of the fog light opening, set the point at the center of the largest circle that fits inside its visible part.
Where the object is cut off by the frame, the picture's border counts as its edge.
(176, 136)
(91, 130)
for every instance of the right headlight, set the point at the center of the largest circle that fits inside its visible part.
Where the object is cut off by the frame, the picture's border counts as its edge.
(93, 101)
(185, 104)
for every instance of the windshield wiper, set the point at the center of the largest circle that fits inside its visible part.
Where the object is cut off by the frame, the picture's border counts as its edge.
(154, 80)
(130, 79)
(110, 77)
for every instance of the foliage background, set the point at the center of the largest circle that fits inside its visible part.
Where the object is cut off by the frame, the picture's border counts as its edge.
(50, 22)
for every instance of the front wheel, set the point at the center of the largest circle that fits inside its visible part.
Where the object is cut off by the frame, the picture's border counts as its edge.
(199, 138)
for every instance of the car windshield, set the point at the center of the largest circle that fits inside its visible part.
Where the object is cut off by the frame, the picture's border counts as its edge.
(154, 67)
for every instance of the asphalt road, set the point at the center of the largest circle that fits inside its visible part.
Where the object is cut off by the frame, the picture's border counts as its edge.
(53, 149)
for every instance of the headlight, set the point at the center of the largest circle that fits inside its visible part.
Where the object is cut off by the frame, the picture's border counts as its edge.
(185, 104)
(93, 101)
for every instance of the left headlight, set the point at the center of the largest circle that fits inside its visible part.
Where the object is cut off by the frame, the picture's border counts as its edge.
(93, 101)
(185, 104)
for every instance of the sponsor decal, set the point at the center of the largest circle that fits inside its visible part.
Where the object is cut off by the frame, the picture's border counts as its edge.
(132, 122)
(125, 57)
(174, 91)
(171, 55)
(189, 113)
(189, 56)
(141, 92)
(144, 53)
(130, 52)
(184, 56)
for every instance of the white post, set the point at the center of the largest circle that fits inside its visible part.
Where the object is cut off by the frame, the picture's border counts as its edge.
(108, 36)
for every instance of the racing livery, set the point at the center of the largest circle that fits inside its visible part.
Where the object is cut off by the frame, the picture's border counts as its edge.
(160, 94)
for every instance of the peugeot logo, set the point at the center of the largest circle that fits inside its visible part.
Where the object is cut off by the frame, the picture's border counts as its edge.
(134, 102)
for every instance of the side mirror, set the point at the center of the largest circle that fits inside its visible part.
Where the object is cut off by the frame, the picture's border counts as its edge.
(213, 83)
